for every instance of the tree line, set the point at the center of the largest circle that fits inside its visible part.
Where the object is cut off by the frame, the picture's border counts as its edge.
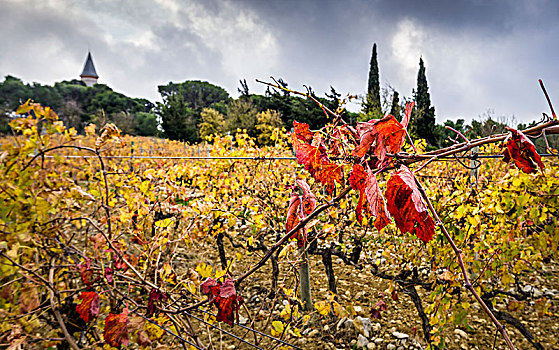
(192, 110)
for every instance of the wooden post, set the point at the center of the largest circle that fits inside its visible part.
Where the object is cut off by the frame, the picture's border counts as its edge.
(305, 280)
(474, 173)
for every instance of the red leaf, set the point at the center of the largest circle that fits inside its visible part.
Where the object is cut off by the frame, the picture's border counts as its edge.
(357, 177)
(306, 154)
(86, 272)
(116, 329)
(369, 191)
(382, 305)
(520, 149)
(208, 287)
(376, 202)
(317, 163)
(407, 114)
(154, 296)
(228, 308)
(109, 274)
(407, 207)
(293, 212)
(328, 174)
(89, 307)
(386, 134)
(394, 295)
(375, 314)
(225, 299)
(309, 199)
(303, 132)
(227, 289)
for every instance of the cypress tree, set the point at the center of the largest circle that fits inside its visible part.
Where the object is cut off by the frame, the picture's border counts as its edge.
(422, 124)
(395, 108)
(373, 108)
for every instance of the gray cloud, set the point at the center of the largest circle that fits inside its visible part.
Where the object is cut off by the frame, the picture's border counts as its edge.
(479, 54)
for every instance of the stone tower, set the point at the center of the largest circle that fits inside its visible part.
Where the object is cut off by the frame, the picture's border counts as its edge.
(89, 75)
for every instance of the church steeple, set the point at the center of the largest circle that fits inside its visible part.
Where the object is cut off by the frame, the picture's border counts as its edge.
(89, 75)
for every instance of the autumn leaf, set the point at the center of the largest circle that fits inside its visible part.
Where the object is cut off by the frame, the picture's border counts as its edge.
(357, 177)
(109, 273)
(377, 205)
(207, 285)
(299, 207)
(224, 297)
(116, 329)
(407, 207)
(155, 295)
(520, 149)
(302, 132)
(86, 272)
(293, 212)
(109, 132)
(369, 192)
(28, 299)
(407, 114)
(317, 163)
(384, 135)
(89, 306)
(308, 198)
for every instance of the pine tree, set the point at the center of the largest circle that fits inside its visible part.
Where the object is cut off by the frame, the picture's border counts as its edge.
(422, 124)
(373, 107)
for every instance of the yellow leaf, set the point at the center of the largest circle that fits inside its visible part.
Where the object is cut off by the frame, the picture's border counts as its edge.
(204, 270)
(323, 307)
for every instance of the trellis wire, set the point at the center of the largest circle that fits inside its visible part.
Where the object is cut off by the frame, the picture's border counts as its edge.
(267, 158)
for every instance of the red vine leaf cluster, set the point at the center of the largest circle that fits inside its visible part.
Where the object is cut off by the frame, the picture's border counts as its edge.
(402, 198)
(224, 297)
(382, 136)
(520, 149)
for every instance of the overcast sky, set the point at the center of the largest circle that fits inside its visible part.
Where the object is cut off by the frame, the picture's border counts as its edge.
(479, 55)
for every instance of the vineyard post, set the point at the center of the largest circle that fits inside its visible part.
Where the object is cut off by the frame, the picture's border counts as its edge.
(474, 173)
(305, 280)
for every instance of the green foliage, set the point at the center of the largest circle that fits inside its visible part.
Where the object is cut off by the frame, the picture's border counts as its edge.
(422, 124)
(182, 105)
(146, 124)
(179, 121)
(77, 104)
(395, 108)
(294, 107)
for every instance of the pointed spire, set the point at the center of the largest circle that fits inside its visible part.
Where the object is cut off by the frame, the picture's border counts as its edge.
(89, 75)
(89, 68)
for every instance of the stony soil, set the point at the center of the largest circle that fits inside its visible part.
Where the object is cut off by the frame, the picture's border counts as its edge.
(399, 327)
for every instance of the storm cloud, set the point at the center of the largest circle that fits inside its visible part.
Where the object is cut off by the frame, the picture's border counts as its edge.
(479, 55)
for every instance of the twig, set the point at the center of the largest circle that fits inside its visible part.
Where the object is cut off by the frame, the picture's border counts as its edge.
(548, 100)
(67, 335)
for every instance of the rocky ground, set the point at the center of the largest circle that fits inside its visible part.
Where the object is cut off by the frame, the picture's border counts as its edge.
(398, 328)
